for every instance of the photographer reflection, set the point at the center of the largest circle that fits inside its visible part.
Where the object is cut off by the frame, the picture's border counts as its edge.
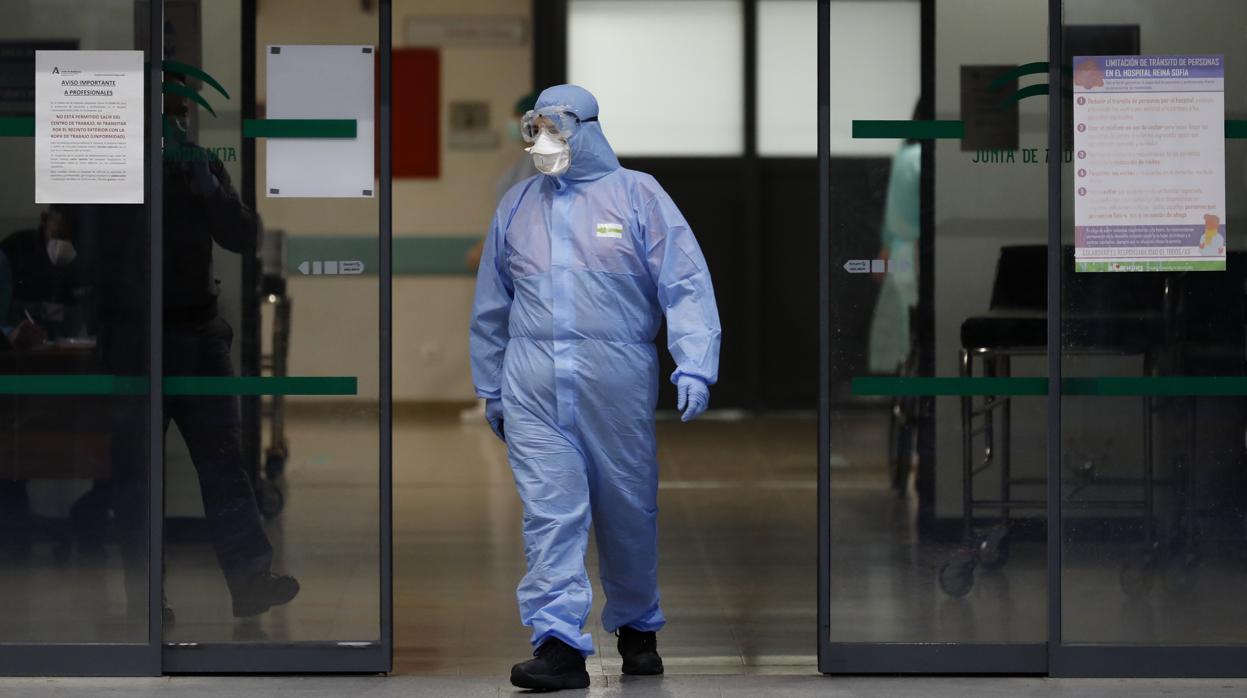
(44, 283)
(202, 208)
(40, 290)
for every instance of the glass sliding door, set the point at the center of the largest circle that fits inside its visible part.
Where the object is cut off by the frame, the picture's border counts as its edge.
(76, 490)
(1153, 353)
(275, 365)
(935, 450)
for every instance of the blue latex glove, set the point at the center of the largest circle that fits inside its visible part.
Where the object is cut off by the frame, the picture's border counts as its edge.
(694, 397)
(493, 415)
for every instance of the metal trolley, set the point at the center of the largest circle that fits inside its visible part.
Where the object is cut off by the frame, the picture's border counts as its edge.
(1017, 327)
(273, 293)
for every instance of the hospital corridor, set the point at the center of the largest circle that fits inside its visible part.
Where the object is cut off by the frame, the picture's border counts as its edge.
(646, 347)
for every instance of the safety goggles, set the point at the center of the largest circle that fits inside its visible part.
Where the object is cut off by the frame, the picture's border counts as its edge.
(559, 122)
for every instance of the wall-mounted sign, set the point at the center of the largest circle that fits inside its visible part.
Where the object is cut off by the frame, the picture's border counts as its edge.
(321, 82)
(1149, 163)
(990, 117)
(89, 127)
(331, 267)
(492, 32)
(470, 127)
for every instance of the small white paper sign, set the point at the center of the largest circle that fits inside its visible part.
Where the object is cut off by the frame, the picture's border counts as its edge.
(321, 82)
(89, 127)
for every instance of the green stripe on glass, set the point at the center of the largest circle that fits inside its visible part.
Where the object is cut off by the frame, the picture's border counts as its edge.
(1104, 386)
(1159, 386)
(92, 384)
(17, 126)
(95, 384)
(260, 385)
(894, 387)
(915, 130)
(1235, 128)
(299, 128)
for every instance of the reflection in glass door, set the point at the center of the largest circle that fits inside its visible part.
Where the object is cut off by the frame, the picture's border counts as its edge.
(937, 345)
(275, 373)
(75, 494)
(1153, 356)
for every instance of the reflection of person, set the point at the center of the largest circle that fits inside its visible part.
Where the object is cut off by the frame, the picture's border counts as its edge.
(201, 209)
(520, 170)
(43, 279)
(889, 328)
(580, 267)
(38, 283)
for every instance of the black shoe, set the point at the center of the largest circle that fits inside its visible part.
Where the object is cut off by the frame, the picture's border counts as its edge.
(263, 592)
(640, 652)
(555, 665)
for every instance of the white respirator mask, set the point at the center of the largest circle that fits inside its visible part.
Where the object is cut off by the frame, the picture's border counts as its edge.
(61, 252)
(551, 156)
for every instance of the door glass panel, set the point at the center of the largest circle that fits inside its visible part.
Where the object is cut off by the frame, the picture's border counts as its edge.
(271, 342)
(73, 367)
(787, 72)
(696, 46)
(938, 503)
(1154, 496)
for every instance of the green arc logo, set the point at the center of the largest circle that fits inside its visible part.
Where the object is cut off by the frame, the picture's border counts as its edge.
(188, 70)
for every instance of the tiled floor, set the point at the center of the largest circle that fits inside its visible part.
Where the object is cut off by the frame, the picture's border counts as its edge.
(737, 541)
(737, 549)
(626, 687)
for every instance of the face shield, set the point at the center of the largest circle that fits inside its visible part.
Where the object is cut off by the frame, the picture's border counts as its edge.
(558, 121)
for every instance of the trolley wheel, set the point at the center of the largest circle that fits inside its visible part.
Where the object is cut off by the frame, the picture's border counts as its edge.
(275, 463)
(993, 550)
(957, 573)
(1138, 574)
(270, 499)
(1181, 573)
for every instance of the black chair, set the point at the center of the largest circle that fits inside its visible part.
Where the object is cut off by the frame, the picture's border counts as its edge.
(1104, 314)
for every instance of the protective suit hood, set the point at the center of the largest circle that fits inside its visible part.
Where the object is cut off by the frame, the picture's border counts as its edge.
(592, 156)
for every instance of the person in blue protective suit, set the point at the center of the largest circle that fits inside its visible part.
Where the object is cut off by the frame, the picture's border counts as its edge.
(581, 265)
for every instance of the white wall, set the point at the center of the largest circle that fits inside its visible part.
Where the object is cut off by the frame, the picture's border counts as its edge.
(430, 313)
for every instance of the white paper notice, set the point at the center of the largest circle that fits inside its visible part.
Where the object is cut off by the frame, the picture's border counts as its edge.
(321, 82)
(89, 127)
(1149, 163)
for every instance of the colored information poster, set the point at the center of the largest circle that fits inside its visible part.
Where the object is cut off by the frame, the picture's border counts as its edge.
(89, 127)
(1149, 163)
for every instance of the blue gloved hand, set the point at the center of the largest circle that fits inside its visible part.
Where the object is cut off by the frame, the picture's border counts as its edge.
(493, 415)
(694, 397)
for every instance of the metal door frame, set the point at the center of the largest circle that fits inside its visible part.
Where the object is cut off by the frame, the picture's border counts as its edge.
(154, 657)
(1055, 657)
(901, 657)
(126, 659)
(328, 656)
(1076, 660)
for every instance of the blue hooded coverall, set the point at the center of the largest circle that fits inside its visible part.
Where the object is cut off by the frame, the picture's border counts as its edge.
(577, 273)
